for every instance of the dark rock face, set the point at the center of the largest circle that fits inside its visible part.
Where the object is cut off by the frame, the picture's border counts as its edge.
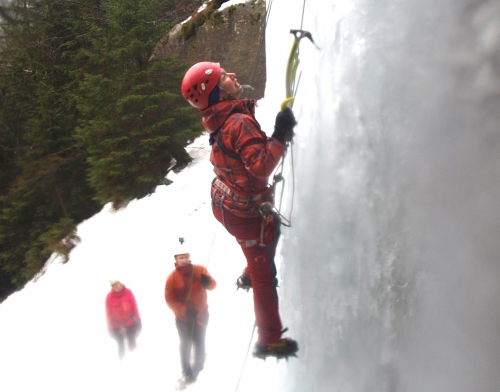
(233, 37)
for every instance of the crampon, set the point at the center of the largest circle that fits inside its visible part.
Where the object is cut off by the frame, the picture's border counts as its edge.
(283, 348)
(243, 282)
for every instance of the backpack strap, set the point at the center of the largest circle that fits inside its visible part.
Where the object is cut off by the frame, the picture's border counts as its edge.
(215, 136)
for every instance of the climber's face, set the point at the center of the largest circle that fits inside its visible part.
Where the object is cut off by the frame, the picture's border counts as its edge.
(229, 85)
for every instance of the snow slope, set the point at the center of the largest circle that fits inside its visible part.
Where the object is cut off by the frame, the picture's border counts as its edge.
(54, 330)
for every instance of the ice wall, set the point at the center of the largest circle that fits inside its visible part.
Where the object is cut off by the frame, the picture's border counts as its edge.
(391, 272)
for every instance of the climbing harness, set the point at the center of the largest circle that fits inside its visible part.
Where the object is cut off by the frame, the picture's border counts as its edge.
(246, 204)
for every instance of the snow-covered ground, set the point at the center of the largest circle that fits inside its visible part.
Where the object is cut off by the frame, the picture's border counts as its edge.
(53, 333)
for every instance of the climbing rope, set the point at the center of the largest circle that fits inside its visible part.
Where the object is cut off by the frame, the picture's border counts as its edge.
(261, 44)
(246, 356)
(303, 10)
(213, 241)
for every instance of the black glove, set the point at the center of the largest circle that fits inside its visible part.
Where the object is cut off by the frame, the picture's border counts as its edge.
(283, 128)
(191, 313)
(205, 280)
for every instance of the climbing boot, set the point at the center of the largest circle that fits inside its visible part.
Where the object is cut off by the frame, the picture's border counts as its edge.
(283, 348)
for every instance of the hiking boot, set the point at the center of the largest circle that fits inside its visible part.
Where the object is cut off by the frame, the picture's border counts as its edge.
(283, 348)
(185, 381)
(243, 282)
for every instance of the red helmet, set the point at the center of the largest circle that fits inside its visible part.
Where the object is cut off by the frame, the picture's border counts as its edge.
(198, 83)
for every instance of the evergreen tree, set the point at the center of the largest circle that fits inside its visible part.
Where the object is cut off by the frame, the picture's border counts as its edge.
(135, 123)
(85, 119)
(44, 191)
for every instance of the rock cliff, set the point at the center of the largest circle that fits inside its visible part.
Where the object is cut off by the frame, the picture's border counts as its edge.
(234, 37)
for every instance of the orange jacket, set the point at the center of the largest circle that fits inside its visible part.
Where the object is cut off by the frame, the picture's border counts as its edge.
(183, 290)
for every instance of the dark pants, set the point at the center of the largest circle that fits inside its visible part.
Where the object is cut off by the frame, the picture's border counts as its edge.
(120, 334)
(192, 338)
(260, 268)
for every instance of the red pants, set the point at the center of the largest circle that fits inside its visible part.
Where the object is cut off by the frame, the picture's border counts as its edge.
(260, 268)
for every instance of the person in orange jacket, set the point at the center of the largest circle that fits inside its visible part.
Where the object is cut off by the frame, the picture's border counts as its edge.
(122, 316)
(186, 295)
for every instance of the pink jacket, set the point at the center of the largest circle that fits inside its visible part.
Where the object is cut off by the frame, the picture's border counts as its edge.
(121, 309)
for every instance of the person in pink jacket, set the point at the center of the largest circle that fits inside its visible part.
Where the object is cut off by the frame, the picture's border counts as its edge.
(122, 316)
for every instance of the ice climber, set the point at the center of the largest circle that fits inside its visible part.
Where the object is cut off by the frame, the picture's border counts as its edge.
(122, 316)
(243, 158)
(186, 295)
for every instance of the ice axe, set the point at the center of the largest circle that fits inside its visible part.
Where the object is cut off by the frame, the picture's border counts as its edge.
(292, 65)
(291, 88)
